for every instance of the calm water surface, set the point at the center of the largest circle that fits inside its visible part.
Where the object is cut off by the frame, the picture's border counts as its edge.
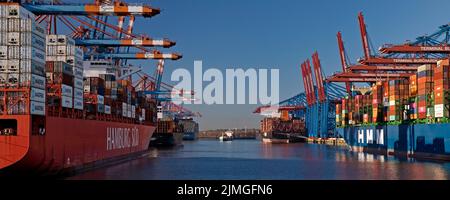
(250, 159)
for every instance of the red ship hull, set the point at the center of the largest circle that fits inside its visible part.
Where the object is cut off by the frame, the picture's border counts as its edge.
(70, 144)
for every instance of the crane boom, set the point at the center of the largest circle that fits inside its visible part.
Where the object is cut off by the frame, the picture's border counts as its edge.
(305, 83)
(343, 59)
(139, 56)
(364, 38)
(311, 82)
(125, 42)
(92, 9)
(319, 77)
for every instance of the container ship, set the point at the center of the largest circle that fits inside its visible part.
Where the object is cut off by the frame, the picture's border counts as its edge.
(189, 128)
(408, 118)
(168, 133)
(57, 112)
(283, 129)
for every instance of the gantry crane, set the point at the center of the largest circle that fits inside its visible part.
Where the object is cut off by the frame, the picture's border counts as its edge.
(102, 40)
(118, 9)
(393, 58)
(389, 69)
(317, 104)
(321, 98)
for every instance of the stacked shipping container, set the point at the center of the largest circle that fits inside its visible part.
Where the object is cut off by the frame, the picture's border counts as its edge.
(413, 111)
(425, 91)
(60, 84)
(94, 91)
(62, 52)
(398, 96)
(22, 59)
(441, 89)
(424, 95)
(377, 102)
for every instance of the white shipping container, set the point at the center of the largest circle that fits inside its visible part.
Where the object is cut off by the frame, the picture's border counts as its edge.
(14, 25)
(159, 115)
(78, 104)
(439, 110)
(70, 60)
(133, 111)
(37, 108)
(3, 39)
(61, 51)
(100, 99)
(124, 109)
(61, 58)
(14, 52)
(78, 83)
(51, 50)
(78, 93)
(16, 11)
(3, 78)
(3, 24)
(25, 52)
(25, 25)
(13, 66)
(67, 102)
(13, 38)
(37, 95)
(78, 72)
(51, 58)
(25, 38)
(129, 110)
(107, 109)
(61, 40)
(13, 79)
(25, 79)
(3, 66)
(70, 50)
(29, 66)
(64, 40)
(38, 81)
(52, 40)
(66, 90)
(3, 51)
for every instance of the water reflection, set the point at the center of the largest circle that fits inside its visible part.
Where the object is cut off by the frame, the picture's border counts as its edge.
(248, 159)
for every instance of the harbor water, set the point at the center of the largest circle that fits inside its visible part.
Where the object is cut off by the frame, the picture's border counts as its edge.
(253, 160)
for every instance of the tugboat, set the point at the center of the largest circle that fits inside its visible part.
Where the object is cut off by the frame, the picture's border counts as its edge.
(226, 136)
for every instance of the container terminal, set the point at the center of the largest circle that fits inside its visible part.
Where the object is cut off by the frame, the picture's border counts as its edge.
(392, 102)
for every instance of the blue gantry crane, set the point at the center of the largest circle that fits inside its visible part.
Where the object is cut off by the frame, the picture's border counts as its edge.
(317, 104)
(321, 99)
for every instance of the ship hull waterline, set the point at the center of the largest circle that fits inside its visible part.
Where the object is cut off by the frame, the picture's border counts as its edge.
(70, 144)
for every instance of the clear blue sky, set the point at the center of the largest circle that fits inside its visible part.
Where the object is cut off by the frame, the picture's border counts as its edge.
(279, 34)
